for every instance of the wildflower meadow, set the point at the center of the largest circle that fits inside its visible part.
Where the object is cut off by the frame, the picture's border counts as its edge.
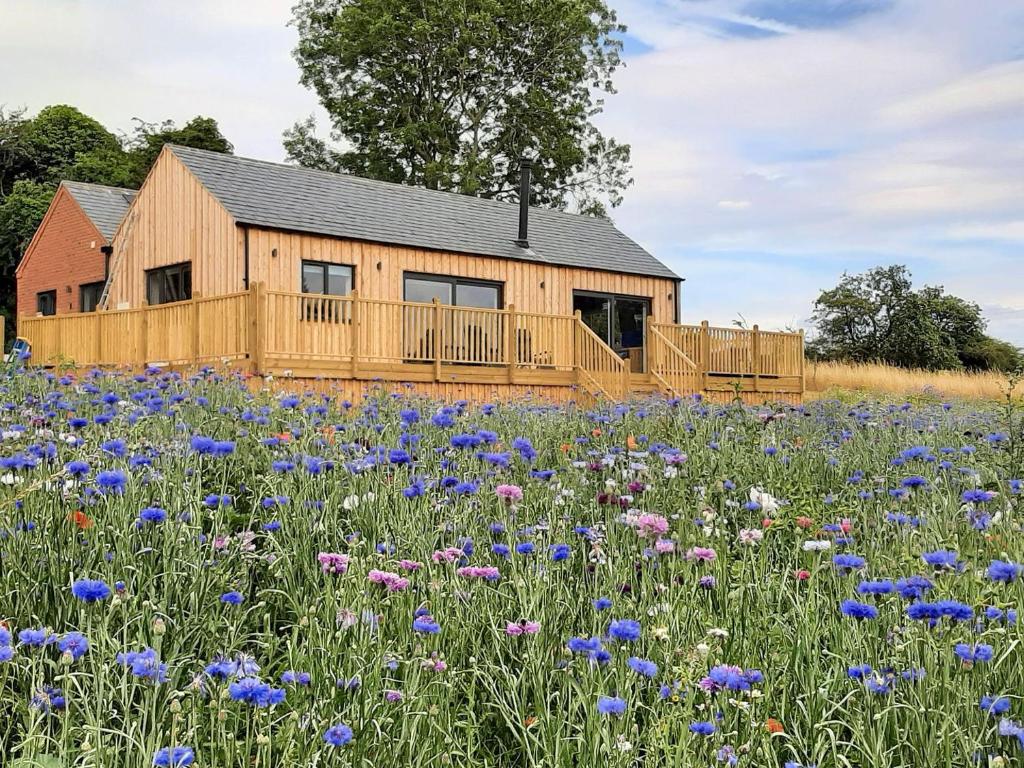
(196, 573)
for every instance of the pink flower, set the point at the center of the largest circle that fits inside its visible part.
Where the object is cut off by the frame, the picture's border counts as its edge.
(845, 525)
(649, 524)
(664, 546)
(510, 493)
(515, 629)
(488, 572)
(448, 555)
(332, 562)
(409, 565)
(393, 695)
(704, 554)
(392, 581)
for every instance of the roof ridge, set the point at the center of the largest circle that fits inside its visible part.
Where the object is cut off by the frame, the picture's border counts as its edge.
(407, 188)
(75, 182)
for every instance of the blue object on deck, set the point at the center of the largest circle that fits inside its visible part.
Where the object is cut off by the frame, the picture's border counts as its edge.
(21, 350)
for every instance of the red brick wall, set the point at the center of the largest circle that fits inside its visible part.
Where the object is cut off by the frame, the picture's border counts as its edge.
(64, 254)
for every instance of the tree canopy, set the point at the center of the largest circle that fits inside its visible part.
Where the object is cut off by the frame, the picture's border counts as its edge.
(878, 316)
(60, 142)
(447, 94)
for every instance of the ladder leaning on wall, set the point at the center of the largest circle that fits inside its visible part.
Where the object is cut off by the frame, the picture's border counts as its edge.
(117, 260)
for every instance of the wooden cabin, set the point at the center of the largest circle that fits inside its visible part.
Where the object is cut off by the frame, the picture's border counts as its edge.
(307, 273)
(65, 265)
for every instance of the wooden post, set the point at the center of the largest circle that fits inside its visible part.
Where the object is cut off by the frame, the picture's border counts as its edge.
(3, 335)
(438, 337)
(257, 339)
(705, 354)
(803, 363)
(511, 353)
(755, 344)
(577, 347)
(144, 334)
(354, 351)
(195, 327)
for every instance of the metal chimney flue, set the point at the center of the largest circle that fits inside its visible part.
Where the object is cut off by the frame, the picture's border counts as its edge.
(525, 179)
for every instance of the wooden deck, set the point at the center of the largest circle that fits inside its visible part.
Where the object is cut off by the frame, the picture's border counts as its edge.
(351, 338)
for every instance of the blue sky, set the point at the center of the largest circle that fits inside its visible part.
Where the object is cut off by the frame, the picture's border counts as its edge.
(776, 143)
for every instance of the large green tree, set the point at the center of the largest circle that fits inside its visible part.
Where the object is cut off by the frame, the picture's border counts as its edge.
(60, 142)
(878, 316)
(448, 94)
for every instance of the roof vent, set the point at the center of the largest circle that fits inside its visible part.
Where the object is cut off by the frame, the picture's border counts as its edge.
(525, 173)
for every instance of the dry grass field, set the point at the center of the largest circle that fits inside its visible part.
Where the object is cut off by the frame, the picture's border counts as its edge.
(875, 378)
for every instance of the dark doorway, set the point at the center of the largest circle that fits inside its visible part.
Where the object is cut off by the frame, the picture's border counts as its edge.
(617, 320)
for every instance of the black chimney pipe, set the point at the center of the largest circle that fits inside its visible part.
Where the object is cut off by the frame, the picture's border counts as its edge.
(525, 172)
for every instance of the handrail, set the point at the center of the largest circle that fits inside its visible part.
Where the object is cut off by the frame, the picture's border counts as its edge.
(601, 359)
(670, 366)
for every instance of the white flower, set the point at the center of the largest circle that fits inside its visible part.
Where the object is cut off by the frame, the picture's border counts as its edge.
(817, 545)
(751, 536)
(670, 472)
(769, 504)
(350, 502)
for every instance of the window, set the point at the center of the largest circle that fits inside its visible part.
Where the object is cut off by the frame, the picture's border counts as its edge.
(460, 291)
(325, 279)
(46, 303)
(89, 296)
(329, 279)
(166, 285)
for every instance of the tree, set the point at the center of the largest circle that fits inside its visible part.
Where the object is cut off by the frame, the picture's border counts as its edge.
(59, 136)
(878, 316)
(149, 138)
(447, 94)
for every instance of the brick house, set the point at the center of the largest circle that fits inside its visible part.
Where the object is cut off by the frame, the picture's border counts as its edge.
(65, 264)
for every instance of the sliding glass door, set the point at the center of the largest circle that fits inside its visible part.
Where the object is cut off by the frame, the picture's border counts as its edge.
(617, 320)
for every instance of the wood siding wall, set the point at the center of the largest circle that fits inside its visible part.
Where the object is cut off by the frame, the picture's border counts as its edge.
(176, 219)
(522, 279)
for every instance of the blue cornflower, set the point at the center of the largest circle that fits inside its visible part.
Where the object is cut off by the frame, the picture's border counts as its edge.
(858, 610)
(560, 552)
(602, 603)
(943, 560)
(913, 587)
(999, 570)
(232, 598)
(426, 624)
(702, 728)
(144, 664)
(995, 705)
(977, 496)
(920, 611)
(90, 590)
(152, 515)
(501, 550)
(859, 672)
(611, 705)
(296, 678)
(955, 610)
(112, 481)
(36, 637)
(203, 445)
(338, 735)
(77, 468)
(252, 691)
(624, 630)
(525, 548)
(74, 643)
(643, 666)
(970, 654)
(173, 757)
(883, 587)
(848, 562)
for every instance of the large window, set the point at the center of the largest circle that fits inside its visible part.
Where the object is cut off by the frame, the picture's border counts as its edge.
(89, 296)
(329, 279)
(460, 291)
(165, 285)
(46, 303)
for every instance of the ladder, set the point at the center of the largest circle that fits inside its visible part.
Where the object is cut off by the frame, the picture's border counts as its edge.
(118, 258)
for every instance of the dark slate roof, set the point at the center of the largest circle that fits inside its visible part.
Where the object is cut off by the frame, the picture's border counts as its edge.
(290, 197)
(105, 206)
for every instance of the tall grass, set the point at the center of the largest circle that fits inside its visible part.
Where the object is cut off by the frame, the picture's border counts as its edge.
(906, 382)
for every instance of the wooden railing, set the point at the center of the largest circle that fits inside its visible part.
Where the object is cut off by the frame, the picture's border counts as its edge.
(670, 366)
(724, 358)
(308, 335)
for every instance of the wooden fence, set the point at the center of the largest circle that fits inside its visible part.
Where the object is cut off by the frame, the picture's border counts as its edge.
(705, 358)
(351, 337)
